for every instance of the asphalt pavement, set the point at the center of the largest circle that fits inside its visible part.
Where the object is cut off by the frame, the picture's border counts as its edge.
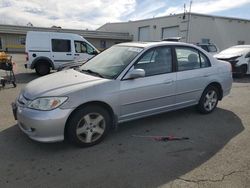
(216, 155)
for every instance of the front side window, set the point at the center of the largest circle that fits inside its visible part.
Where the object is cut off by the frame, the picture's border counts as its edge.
(156, 61)
(61, 45)
(83, 47)
(189, 59)
(80, 47)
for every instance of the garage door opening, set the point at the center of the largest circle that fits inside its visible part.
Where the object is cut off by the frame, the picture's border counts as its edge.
(143, 34)
(168, 32)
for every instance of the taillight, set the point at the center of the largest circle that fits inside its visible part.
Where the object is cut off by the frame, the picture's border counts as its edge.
(27, 56)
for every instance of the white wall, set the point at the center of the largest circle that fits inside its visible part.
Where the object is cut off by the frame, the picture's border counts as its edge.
(156, 25)
(224, 32)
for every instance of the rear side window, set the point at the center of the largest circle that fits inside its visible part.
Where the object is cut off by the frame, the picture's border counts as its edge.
(189, 59)
(61, 45)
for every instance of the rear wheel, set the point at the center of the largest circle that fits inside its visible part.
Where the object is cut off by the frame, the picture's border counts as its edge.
(42, 68)
(88, 126)
(208, 100)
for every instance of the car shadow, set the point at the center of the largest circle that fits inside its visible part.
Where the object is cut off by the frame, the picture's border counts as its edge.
(122, 159)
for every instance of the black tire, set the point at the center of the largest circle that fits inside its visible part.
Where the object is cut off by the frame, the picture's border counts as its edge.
(42, 68)
(203, 105)
(77, 122)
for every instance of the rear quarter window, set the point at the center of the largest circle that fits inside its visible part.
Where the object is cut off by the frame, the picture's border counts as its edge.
(61, 45)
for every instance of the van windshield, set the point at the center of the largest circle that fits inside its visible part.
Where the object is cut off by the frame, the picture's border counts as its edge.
(110, 63)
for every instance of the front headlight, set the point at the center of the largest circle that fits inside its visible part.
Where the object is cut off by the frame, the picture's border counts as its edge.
(47, 103)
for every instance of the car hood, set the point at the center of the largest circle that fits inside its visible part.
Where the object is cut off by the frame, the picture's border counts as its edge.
(59, 84)
(229, 54)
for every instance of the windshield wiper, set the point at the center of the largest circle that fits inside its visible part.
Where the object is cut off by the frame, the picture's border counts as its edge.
(92, 72)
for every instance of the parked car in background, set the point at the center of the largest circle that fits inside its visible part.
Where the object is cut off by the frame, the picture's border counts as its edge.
(125, 82)
(239, 57)
(209, 47)
(49, 50)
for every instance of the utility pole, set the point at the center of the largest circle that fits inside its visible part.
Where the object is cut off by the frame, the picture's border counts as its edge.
(189, 20)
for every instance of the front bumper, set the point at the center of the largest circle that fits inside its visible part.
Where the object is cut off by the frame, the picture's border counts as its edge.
(42, 126)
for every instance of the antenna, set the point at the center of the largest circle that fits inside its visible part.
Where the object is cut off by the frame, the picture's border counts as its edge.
(189, 19)
(184, 14)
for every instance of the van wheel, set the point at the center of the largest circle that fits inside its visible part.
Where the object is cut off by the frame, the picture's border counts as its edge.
(42, 68)
(208, 100)
(88, 126)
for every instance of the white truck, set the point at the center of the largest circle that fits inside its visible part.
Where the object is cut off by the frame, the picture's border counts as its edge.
(49, 50)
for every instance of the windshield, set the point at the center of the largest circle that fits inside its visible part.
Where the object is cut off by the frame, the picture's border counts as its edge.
(111, 62)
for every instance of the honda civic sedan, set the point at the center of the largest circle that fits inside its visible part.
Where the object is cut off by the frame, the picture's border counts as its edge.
(126, 82)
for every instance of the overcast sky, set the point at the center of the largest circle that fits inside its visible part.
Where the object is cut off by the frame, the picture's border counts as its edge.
(82, 14)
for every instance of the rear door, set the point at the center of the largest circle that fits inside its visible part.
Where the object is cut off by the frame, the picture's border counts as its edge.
(193, 75)
(83, 51)
(61, 51)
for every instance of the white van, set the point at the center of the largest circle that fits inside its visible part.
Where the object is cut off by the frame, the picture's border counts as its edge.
(49, 50)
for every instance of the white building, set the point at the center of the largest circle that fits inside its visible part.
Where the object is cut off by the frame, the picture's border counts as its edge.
(193, 28)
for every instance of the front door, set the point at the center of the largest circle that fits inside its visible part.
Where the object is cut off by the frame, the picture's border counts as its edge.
(83, 51)
(153, 93)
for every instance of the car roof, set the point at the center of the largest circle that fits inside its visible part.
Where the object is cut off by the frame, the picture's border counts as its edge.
(153, 44)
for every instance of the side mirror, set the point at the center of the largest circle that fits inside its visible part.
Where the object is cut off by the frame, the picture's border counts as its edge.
(95, 53)
(135, 73)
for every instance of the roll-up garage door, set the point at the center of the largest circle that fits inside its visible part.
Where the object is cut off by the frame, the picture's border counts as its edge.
(170, 32)
(144, 33)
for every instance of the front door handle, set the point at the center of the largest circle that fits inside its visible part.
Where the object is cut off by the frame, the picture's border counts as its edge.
(68, 54)
(168, 81)
(77, 54)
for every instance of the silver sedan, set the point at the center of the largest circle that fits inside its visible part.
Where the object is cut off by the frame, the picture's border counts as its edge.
(126, 82)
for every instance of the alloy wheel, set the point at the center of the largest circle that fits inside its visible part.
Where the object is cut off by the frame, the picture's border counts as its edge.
(91, 127)
(211, 99)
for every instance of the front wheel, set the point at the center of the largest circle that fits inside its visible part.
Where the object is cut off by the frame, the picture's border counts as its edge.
(88, 126)
(208, 100)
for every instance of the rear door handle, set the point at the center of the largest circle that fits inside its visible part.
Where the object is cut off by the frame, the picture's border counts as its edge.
(68, 54)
